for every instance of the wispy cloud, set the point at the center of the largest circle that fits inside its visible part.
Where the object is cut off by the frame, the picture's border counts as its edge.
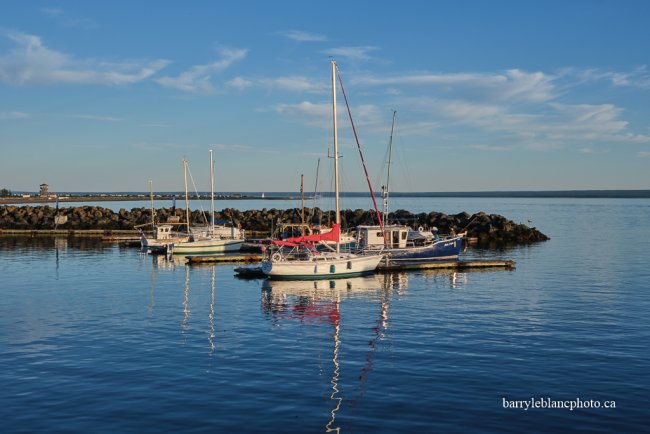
(239, 83)
(492, 148)
(95, 118)
(644, 154)
(367, 116)
(158, 146)
(352, 53)
(236, 148)
(295, 84)
(52, 12)
(305, 108)
(65, 19)
(639, 77)
(593, 122)
(198, 79)
(513, 84)
(514, 108)
(301, 36)
(12, 115)
(30, 62)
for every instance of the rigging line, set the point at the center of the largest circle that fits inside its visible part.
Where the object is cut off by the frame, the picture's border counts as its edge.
(402, 159)
(197, 193)
(379, 179)
(311, 214)
(365, 169)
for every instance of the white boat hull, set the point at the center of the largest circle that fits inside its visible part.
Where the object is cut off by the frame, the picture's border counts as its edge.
(204, 247)
(152, 245)
(324, 266)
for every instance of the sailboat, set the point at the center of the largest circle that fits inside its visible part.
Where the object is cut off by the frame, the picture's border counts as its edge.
(162, 235)
(214, 239)
(298, 258)
(401, 243)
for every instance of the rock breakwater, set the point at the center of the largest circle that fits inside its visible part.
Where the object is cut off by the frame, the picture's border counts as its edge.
(485, 228)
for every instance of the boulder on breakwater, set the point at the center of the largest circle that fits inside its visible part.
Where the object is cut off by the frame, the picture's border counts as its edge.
(485, 228)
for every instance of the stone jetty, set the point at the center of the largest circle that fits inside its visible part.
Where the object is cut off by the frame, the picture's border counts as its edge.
(481, 227)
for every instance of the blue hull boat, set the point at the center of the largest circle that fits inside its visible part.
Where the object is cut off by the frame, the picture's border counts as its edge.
(406, 245)
(443, 249)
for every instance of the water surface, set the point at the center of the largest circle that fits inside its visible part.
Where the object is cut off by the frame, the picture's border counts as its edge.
(99, 338)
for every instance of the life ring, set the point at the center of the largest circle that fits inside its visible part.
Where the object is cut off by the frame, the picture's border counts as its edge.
(276, 257)
(420, 229)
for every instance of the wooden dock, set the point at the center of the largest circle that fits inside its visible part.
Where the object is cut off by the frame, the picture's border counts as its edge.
(225, 258)
(383, 266)
(446, 265)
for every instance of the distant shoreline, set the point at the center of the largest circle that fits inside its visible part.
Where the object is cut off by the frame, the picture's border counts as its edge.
(109, 197)
(141, 196)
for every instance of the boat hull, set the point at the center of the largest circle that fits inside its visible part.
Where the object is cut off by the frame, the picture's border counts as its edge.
(204, 247)
(439, 250)
(160, 246)
(322, 267)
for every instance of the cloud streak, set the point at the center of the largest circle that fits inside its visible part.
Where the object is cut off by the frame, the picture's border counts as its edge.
(30, 62)
(295, 84)
(513, 84)
(198, 79)
(638, 78)
(301, 36)
(12, 115)
(352, 53)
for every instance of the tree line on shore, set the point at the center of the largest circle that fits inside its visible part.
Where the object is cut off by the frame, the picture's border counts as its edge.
(485, 228)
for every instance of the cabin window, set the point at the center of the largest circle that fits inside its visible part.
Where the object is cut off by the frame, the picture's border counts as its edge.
(380, 235)
(349, 265)
(404, 234)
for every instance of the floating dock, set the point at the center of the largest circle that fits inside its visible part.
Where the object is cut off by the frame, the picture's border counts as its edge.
(212, 259)
(383, 266)
(455, 265)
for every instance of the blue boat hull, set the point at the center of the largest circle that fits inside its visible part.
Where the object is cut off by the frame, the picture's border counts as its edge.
(439, 250)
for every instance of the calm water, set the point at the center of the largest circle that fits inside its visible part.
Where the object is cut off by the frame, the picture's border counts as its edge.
(98, 338)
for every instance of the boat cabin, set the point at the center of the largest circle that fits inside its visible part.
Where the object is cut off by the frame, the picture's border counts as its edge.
(372, 238)
(162, 232)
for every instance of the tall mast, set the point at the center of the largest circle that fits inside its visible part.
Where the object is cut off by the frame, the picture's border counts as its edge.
(363, 163)
(390, 153)
(336, 152)
(212, 191)
(187, 199)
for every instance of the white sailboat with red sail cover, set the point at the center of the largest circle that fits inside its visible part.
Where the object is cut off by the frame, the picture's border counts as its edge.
(298, 257)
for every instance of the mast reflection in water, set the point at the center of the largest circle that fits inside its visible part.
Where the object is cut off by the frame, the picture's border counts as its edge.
(319, 301)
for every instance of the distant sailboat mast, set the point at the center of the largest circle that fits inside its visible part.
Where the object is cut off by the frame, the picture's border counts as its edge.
(187, 199)
(313, 207)
(390, 151)
(211, 192)
(153, 211)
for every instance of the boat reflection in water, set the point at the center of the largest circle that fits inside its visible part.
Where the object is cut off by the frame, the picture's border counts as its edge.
(319, 301)
(185, 323)
(160, 263)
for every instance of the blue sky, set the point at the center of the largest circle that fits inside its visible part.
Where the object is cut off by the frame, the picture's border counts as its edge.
(498, 95)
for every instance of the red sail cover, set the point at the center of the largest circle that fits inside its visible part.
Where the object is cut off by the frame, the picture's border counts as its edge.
(333, 235)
